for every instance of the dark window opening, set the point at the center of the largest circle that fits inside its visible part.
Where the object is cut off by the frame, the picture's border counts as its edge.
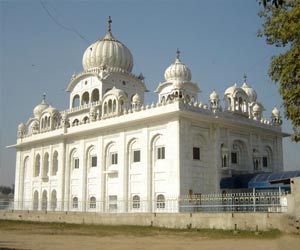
(161, 153)
(114, 158)
(196, 153)
(76, 163)
(136, 156)
(265, 161)
(94, 161)
(234, 158)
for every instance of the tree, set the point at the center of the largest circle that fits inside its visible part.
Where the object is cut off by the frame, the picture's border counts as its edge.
(281, 28)
(5, 190)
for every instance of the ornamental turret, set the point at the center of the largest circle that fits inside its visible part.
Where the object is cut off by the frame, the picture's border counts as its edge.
(276, 118)
(177, 83)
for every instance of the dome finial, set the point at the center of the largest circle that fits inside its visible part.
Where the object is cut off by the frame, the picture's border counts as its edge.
(44, 96)
(109, 21)
(177, 54)
(245, 77)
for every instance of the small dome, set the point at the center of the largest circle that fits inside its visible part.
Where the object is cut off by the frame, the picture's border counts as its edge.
(250, 92)
(38, 110)
(257, 108)
(35, 124)
(214, 95)
(231, 89)
(108, 52)
(178, 71)
(136, 98)
(276, 112)
(21, 127)
(116, 92)
(50, 110)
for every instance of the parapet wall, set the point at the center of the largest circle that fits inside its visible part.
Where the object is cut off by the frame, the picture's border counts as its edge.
(226, 221)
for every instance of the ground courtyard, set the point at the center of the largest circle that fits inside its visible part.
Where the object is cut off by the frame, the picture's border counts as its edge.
(17, 235)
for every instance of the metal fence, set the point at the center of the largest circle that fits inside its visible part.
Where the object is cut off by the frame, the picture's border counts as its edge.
(235, 202)
(274, 202)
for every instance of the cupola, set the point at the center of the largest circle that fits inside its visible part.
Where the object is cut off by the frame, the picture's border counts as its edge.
(178, 71)
(249, 90)
(108, 52)
(39, 109)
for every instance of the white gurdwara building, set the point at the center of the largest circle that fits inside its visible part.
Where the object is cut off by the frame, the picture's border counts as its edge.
(111, 152)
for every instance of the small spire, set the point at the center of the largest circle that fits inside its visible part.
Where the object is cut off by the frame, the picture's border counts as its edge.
(177, 54)
(44, 96)
(109, 21)
(245, 77)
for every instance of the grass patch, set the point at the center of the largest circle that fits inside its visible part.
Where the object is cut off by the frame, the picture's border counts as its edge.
(135, 231)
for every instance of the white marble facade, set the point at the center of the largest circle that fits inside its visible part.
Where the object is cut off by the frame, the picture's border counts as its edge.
(111, 152)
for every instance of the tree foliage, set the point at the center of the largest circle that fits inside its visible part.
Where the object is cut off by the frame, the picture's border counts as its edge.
(281, 28)
(6, 190)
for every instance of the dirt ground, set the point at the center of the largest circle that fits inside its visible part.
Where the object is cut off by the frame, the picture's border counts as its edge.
(36, 237)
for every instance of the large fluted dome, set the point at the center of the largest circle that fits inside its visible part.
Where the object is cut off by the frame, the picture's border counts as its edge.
(178, 71)
(108, 52)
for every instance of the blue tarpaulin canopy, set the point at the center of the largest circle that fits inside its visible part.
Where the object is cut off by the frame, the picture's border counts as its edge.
(273, 180)
(263, 180)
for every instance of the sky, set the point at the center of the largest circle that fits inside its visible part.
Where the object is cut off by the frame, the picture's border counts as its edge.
(42, 44)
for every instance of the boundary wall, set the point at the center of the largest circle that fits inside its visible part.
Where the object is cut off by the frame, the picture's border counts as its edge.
(288, 222)
(226, 221)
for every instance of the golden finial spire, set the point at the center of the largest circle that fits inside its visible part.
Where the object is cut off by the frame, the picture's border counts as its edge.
(109, 21)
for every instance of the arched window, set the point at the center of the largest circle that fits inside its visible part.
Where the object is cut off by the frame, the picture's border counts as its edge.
(75, 202)
(229, 103)
(109, 106)
(54, 163)
(37, 165)
(36, 200)
(134, 150)
(75, 122)
(239, 156)
(160, 201)
(76, 101)
(85, 98)
(267, 157)
(26, 168)
(121, 105)
(224, 155)
(85, 119)
(114, 106)
(105, 108)
(44, 200)
(136, 201)
(45, 165)
(74, 160)
(53, 200)
(56, 122)
(95, 95)
(111, 155)
(93, 202)
(240, 104)
(92, 157)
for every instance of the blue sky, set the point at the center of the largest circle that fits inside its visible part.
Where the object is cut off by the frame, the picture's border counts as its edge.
(38, 54)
